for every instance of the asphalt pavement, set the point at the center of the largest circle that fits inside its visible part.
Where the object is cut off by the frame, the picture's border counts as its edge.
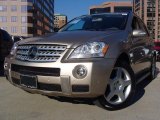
(16, 104)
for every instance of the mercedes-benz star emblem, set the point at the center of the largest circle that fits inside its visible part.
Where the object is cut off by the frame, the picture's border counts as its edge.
(32, 52)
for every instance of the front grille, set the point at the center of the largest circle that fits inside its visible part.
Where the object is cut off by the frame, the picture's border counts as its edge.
(49, 87)
(41, 86)
(80, 88)
(26, 70)
(40, 53)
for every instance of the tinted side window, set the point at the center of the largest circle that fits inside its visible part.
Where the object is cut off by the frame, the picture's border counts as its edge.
(5, 36)
(135, 25)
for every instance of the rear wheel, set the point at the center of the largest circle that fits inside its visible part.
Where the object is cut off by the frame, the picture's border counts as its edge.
(121, 87)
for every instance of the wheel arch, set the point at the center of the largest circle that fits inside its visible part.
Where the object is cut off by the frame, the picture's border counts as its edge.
(123, 57)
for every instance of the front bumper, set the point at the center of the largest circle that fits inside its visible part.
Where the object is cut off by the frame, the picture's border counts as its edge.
(63, 83)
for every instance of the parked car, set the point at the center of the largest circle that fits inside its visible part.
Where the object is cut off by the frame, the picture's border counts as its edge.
(6, 44)
(101, 55)
(157, 48)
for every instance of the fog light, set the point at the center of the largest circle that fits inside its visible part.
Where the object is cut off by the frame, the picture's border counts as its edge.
(5, 65)
(80, 72)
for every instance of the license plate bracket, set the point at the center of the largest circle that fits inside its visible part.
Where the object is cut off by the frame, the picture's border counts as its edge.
(28, 81)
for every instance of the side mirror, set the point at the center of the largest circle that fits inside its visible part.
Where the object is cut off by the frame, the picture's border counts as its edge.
(12, 38)
(139, 33)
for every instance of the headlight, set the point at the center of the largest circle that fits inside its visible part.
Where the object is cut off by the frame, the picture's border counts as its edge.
(90, 50)
(14, 49)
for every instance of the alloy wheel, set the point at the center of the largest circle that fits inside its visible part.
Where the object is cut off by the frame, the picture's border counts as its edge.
(119, 86)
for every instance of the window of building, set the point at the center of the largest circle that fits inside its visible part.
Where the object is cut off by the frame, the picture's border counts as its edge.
(14, 19)
(29, 19)
(24, 30)
(30, 30)
(14, 29)
(150, 14)
(24, 8)
(13, 8)
(29, 9)
(24, 19)
(3, 19)
(100, 10)
(26, 0)
(122, 9)
(3, 8)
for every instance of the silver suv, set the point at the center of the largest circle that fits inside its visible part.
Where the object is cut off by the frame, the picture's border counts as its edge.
(101, 55)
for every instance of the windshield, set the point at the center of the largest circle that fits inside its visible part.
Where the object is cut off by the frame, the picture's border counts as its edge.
(97, 23)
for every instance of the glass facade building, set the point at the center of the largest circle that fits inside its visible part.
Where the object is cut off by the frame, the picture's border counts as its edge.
(27, 17)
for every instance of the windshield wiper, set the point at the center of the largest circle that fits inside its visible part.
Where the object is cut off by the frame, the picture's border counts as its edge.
(112, 28)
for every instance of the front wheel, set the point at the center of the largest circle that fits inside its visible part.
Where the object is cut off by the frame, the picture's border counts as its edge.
(120, 89)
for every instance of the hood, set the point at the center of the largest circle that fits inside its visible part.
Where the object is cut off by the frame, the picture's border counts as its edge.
(70, 38)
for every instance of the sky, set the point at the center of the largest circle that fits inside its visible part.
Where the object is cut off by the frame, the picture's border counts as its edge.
(75, 8)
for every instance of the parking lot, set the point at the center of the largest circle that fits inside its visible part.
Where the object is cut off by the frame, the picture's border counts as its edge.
(16, 104)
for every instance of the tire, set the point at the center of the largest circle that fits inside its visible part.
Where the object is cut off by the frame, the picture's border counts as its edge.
(153, 69)
(120, 89)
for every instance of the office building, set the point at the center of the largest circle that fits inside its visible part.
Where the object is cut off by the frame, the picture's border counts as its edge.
(59, 20)
(27, 17)
(149, 12)
(112, 7)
